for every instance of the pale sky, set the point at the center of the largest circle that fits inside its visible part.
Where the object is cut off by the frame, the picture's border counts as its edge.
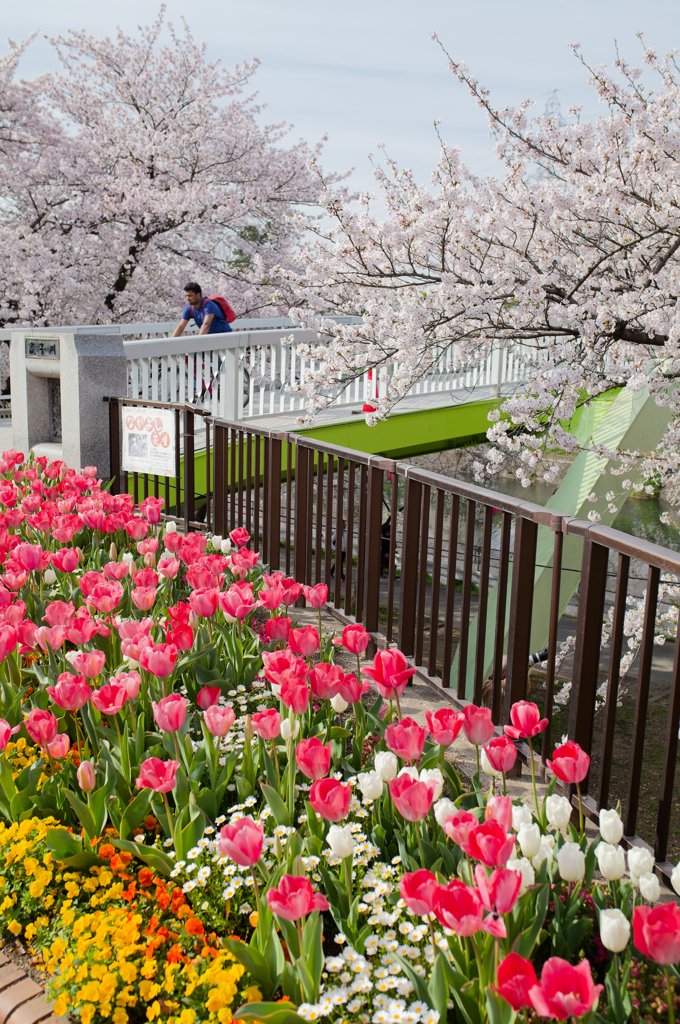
(366, 71)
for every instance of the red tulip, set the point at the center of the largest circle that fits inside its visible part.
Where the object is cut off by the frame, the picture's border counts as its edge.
(516, 977)
(295, 694)
(406, 739)
(502, 753)
(60, 746)
(295, 898)
(656, 932)
(351, 690)
(444, 725)
(277, 628)
(280, 665)
(564, 991)
(313, 758)
(457, 826)
(317, 596)
(355, 638)
(181, 635)
(242, 842)
(418, 891)
(330, 799)
(5, 732)
(204, 602)
(270, 598)
(325, 680)
(570, 763)
(159, 660)
(170, 712)
(526, 720)
(89, 663)
(219, 720)
(500, 891)
(207, 696)
(390, 673)
(109, 699)
(459, 908)
(71, 692)
(239, 537)
(267, 724)
(412, 798)
(41, 726)
(157, 775)
(489, 843)
(477, 725)
(500, 809)
(291, 590)
(304, 641)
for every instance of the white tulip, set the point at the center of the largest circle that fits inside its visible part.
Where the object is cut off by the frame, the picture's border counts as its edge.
(523, 868)
(287, 729)
(650, 889)
(216, 541)
(558, 811)
(50, 577)
(340, 840)
(545, 852)
(171, 527)
(132, 664)
(443, 809)
(614, 930)
(675, 878)
(275, 688)
(411, 771)
(339, 704)
(128, 557)
(433, 775)
(386, 763)
(225, 546)
(571, 862)
(611, 861)
(371, 785)
(521, 815)
(611, 827)
(529, 839)
(486, 766)
(640, 862)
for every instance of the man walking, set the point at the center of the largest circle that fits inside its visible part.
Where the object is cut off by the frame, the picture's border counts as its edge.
(208, 315)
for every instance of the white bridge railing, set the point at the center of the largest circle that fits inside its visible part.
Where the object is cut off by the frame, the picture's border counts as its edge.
(257, 369)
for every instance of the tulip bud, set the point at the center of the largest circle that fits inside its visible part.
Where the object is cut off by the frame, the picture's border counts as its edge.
(523, 867)
(650, 889)
(287, 729)
(386, 764)
(558, 811)
(521, 815)
(529, 839)
(611, 861)
(486, 766)
(113, 553)
(571, 862)
(340, 840)
(248, 730)
(611, 827)
(81, 556)
(85, 776)
(339, 704)
(50, 577)
(614, 930)
(149, 560)
(193, 619)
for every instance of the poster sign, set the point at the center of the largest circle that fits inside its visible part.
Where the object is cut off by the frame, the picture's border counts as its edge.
(149, 440)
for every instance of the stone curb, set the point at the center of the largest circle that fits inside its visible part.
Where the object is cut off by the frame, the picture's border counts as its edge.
(22, 1000)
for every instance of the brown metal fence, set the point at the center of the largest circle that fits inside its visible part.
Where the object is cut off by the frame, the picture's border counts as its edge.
(410, 578)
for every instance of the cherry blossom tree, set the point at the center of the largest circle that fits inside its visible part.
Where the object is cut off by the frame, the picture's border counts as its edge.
(139, 165)
(580, 262)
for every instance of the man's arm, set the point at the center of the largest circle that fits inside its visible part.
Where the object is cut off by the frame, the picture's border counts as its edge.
(179, 329)
(205, 326)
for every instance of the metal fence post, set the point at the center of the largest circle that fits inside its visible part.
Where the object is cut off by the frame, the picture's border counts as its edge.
(301, 511)
(373, 545)
(189, 513)
(219, 482)
(409, 565)
(114, 446)
(273, 507)
(521, 607)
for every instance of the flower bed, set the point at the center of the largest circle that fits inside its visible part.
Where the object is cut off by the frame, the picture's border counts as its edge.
(190, 831)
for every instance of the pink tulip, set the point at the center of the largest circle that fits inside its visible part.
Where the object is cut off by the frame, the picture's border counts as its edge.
(207, 696)
(59, 613)
(330, 799)
(489, 843)
(355, 638)
(570, 763)
(270, 598)
(313, 758)
(565, 991)
(89, 663)
(500, 891)
(6, 731)
(444, 724)
(277, 628)
(65, 559)
(304, 641)
(516, 977)
(418, 891)
(60, 746)
(295, 898)
(53, 637)
(130, 680)
(157, 775)
(86, 776)
(109, 699)
(500, 809)
(8, 640)
(406, 739)
(390, 673)
(242, 842)
(71, 692)
(411, 797)
(291, 591)
(267, 724)
(501, 753)
(159, 660)
(458, 907)
(41, 726)
(151, 508)
(477, 725)
(325, 680)
(237, 602)
(317, 596)
(105, 596)
(29, 556)
(116, 570)
(204, 602)
(526, 721)
(295, 694)
(144, 597)
(351, 690)
(656, 932)
(457, 826)
(281, 665)
(168, 567)
(239, 537)
(170, 712)
(219, 720)
(136, 528)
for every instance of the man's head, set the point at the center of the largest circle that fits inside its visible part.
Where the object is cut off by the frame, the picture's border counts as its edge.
(193, 293)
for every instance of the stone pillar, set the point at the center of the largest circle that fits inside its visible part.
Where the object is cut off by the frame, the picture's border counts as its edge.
(88, 368)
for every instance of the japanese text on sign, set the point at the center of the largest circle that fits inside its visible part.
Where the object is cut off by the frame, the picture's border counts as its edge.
(149, 440)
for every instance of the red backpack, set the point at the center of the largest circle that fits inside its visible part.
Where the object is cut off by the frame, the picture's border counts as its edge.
(223, 304)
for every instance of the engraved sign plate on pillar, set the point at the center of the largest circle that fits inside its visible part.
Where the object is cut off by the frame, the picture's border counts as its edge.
(39, 348)
(149, 440)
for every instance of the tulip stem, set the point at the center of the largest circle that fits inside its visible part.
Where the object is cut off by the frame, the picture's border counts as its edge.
(348, 877)
(477, 755)
(329, 720)
(170, 824)
(505, 788)
(79, 741)
(396, 697)
(670, 996)
(320, 633)
(420, 843)
(580, 810)
(276, 764)
(533, 775)
(258, 905)
(441, 759)
(358, 669)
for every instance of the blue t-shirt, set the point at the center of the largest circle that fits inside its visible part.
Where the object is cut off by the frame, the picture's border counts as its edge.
(219, 323)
